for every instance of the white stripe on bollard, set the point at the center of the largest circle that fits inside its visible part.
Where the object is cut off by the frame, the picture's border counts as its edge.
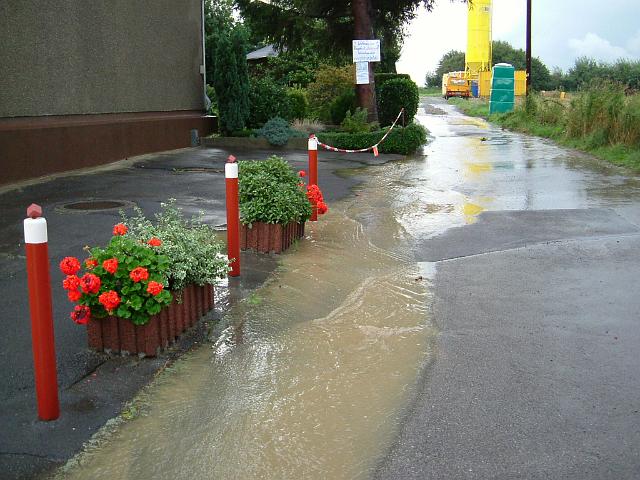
(230, 170)
(35, 230)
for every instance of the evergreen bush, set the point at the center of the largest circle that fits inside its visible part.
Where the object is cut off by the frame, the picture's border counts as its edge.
(231, 82)
(341, 105)
(267, 100)
(394, 95)
(298, 102)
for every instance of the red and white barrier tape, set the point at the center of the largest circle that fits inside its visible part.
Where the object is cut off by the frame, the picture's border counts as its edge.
(374, 148)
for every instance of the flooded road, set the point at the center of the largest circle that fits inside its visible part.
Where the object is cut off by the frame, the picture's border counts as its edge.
(315, 371)
(310, 376)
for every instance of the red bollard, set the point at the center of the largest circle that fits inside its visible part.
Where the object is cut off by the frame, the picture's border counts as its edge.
(313, 169)
(39, 283)
(233, 215)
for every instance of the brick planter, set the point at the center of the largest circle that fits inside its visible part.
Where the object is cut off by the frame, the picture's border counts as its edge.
(119, 335)
(270, 237)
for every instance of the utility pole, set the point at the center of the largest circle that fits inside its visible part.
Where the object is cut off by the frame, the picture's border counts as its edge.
(363, 30)
(528, 53)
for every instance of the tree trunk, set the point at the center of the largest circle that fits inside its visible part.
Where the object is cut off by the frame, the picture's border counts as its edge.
(363, 30)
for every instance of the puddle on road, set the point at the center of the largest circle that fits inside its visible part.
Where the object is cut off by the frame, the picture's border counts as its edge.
(311, 375)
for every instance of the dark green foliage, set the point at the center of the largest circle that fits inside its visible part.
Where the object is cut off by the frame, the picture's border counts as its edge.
(299, 103)
(341, 105)
(381, 78)
(403, 141)
(269, 192)
(586, 70)
(267, 99)
(329, 24)
(505, 53)
(230, 82)
(394, 95)
(291, 68)
(356, 122)
(245, 132)
(239, 46)
(218, 21)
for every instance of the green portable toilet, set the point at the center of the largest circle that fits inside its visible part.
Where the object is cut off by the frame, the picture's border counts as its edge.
(503, 85)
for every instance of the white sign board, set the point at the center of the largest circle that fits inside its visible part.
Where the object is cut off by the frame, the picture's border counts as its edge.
(362, 73)
(366, 51)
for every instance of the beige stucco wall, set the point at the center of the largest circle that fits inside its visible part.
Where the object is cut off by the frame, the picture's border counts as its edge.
(62, 57)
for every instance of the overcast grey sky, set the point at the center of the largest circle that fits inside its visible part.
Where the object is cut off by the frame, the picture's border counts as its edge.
(562, 31)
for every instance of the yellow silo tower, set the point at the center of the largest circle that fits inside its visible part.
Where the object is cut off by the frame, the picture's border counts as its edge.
(478, 56)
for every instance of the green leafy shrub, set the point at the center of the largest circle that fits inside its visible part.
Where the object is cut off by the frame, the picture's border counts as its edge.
(382, 78)
(270, 193)
(341, 105)
(267, 100)
(394, 95)
(195, 256)
(403, 141)
(356, 122)
(298, 102)
(277, 131)
(245, 132)
(330, 83)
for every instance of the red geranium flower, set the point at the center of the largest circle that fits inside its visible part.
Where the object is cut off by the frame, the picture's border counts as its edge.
(110, 265)
(81, 314)
(314, 194)
(154, 288)
(74, 295)
(90, 283)
(109, 300)
(72, 282)
(120, 229)
(322, 208)
(154, 242)
(70, 265)
(138, 274)
(90, 263)
(302, 173)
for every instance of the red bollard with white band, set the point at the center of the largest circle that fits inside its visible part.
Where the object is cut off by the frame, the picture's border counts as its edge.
(39, 283)
(313, 169)
(233, 215)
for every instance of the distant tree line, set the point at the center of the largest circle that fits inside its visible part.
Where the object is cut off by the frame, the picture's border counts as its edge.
(584, 72)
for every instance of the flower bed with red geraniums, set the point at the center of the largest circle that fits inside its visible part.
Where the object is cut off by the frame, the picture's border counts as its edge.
(123, 282)
(275, 203)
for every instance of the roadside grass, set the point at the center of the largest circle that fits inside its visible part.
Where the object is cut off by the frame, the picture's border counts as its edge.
(600, 120)
(430, 91)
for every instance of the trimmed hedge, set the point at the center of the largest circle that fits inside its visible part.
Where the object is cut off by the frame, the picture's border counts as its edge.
(403, 141)
(381, 78)
(394, 95)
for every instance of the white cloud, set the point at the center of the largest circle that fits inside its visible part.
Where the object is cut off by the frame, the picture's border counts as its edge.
(593, 46)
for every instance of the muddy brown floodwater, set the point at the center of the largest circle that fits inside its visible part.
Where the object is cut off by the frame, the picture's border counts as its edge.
(310, 376)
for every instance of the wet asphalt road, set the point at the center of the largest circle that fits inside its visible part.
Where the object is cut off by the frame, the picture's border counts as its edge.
(94, 387)
(536, 371)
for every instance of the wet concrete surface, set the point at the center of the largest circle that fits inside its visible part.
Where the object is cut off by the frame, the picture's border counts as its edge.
(535, 295)
(195, 177)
